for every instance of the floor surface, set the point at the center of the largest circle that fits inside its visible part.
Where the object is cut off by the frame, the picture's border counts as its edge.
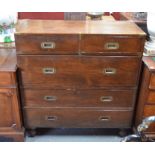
(75, 135)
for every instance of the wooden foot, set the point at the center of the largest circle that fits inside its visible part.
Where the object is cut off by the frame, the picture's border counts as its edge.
(31, 132)
(122, 132)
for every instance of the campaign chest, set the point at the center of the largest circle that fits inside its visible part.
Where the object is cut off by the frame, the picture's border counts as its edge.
(78, 74)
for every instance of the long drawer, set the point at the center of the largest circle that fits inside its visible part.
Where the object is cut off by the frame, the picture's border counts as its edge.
(79, 71)
(78, 98)
(119, 44)
(47, 44)
(73, 118)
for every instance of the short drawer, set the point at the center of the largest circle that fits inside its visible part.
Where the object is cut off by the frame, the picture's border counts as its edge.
(149, 110)
(120, 44)
(152, 81)
(78, 98)
(79, 71)
(6, 79)
(47, 44)
(73, 118)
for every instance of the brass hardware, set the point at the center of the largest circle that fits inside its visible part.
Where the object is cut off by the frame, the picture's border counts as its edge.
(109, 71)
(106, 98)
(48, 45)
(104, 118)
(50, 98)
(111, 46)
(49, 70)
(50, 118)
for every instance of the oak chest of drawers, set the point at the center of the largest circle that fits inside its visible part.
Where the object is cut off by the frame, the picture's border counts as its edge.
(146, 99)
(78, 74)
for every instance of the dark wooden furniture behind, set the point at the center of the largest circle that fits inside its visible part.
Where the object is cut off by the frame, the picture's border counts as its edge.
(10, 113)
(146, 101)
(78, 73)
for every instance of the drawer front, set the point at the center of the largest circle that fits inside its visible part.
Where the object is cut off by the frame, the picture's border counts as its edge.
(151, 97)
(69, 117)
(47, 44)
(78, 98)
(6, 79)
(100, 43)
(79, 71)
(152, 81)
(149, 110)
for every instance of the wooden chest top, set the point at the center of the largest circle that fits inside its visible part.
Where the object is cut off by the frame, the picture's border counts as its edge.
(77, 27)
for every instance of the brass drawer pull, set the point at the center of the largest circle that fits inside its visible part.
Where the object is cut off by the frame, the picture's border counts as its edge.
(109, 71)
(111, 46)
(106, 98)
(50, 98)
(104, 118)
(49, 70)
(48, 45)
(50, 118)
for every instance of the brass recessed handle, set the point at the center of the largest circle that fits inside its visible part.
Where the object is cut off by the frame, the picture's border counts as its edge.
(50, 98)
(104, 118)
(111, 46)
(49, 70)
(48, 45)
(109, 71)
(51, 118)
(106, 98)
